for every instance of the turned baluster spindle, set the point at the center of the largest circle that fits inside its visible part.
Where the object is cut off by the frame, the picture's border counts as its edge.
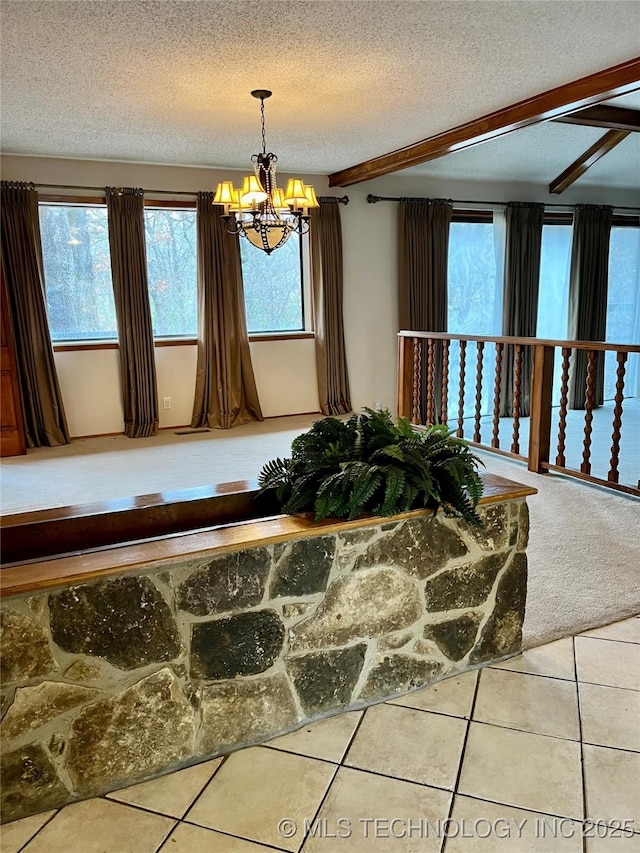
(417, 378)
(589, 396)
(478, 409)
(564, 400)
(613, 475)
(430, 380)
(444, 413)
(495, 441)
(517, 398)
(463, 358)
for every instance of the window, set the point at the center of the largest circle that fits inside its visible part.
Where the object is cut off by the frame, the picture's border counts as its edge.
(555, 260)
(472, 283)
(172, 270)
(623, 305)
(77, 269)
(273, 287)
(553, 295)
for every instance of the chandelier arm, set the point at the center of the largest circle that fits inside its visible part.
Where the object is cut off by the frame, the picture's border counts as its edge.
(231, 224)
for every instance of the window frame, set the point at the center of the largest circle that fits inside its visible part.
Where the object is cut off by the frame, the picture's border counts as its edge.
(306, 332)
(70, 345)
(172, 340)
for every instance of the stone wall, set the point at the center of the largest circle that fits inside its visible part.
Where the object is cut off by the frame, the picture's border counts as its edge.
(109, 683)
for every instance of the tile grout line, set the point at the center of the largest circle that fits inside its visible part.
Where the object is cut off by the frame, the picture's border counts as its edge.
(613, 748)
(488, 722)
(319, 809)
(146, 809)
(267, 745)
(582, 776)
(46, 823)
(456, 782)
(611, 686)
(244, 838)
(353, 737)
(477, 798)
(381, 775)
(394, 704)
(525, 731)
(168, 835)
(534, 674)
(333, 778)
(585, 636)
(205, 786)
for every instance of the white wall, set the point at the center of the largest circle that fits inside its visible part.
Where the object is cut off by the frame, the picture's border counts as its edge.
(285, 370)
(90, 383)
(90, 386)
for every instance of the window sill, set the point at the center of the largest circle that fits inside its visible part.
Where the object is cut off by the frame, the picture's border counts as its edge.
(281, 336)
(72, 346)
(76, 346)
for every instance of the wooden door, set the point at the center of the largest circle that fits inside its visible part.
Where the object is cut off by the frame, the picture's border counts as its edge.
(11, 424)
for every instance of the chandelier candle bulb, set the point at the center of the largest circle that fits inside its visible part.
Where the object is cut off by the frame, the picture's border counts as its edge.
(260, 211)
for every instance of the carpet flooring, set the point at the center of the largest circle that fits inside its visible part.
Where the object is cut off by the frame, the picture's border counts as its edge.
(584, 552)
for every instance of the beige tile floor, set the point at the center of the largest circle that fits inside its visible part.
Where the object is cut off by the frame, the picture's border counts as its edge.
(538, 755)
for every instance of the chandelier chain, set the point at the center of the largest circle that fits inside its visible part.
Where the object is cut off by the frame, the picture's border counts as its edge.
(264, 137)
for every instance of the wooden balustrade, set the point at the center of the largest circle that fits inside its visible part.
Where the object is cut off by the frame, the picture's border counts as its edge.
(432, 366)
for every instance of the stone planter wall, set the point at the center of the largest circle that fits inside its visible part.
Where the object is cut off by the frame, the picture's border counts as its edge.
(109, 683)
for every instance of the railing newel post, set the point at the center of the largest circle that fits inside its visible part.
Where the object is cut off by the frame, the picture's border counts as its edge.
(541, 397)
(405, 380)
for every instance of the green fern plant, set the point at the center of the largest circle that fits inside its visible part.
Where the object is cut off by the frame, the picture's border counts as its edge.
(368, 465)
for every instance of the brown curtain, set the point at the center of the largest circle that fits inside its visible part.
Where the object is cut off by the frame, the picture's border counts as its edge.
(588, 285)
(327, 286)
(125, 208)
(423, 253)
(44, 418)
(226, 393)
(520, 296)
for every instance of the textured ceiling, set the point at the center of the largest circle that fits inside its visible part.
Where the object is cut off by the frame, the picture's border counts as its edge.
(169, 82)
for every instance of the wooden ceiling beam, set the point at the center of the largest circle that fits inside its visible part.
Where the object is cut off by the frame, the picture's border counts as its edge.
(606, 84)
(591, 156)
(604, 115)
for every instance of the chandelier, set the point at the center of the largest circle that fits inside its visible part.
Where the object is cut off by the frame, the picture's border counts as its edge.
(260, 210)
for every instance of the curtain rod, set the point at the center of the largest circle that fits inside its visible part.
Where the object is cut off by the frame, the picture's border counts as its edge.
(374, 199)
(341, 200)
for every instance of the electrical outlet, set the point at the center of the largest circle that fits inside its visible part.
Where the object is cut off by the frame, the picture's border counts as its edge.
(378, 406)
(166, 402)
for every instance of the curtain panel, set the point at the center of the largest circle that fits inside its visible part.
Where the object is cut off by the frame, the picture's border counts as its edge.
(523, 248)
(327, 287)
(43, 410)
(226, 393)
(423, 253)
(588, 286)
(125, 208)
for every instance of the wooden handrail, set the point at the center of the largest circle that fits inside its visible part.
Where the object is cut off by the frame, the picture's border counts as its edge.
(585, 345)
(523, 390)
(124, 557)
